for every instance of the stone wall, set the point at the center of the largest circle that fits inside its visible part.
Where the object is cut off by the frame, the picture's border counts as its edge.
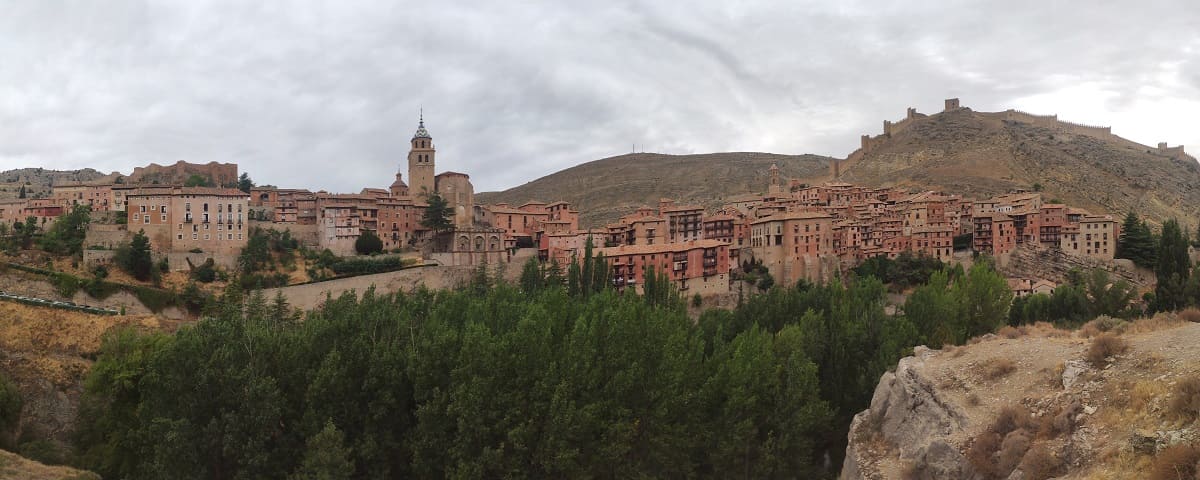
(107, 236)
(176, 261)
(309, 296)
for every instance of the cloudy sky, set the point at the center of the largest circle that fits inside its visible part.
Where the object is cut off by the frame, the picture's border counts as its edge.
(325, 95)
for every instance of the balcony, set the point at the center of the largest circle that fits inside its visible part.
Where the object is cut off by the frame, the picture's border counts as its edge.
(710, 262)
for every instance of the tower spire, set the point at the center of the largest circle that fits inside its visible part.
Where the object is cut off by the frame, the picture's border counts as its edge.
(422, 116)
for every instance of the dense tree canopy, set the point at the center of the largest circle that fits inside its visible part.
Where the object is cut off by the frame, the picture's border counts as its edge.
(438, 214)
(368, 243)
(1137, 242)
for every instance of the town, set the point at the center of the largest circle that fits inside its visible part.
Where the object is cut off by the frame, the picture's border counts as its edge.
(793, 230)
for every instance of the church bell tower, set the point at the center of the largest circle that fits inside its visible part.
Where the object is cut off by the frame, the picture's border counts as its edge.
(421, 162)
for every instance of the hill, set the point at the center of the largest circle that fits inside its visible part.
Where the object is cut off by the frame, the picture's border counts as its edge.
(1038, 401)
(605, 189)
(37, 181)
(981, 154)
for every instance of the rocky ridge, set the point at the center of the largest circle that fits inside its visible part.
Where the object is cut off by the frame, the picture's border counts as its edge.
(1028, 404)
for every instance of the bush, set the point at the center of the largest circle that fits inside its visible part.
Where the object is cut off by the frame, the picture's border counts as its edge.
(1190, 315)
(1041, 464)
(998, 449)
(66, 285)
(999, 368)
(363, 266)
(1175, 463)
(368, 243)
(41, 450)
(1185, 399)
(1105, 346)
(206, 272)
(10, 404)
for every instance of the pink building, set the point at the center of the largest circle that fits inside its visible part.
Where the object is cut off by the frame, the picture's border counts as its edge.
(700, 266)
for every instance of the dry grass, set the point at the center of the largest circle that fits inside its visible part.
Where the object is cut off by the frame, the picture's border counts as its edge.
(999, 449)
(1159, 321)
(1047, 329)
(973, 400)
(998, 368)
(1105, 346)
(1185, 398)
(16, 467)
(1176, 463)
(1010, 332)
(1190, 315)
(1102, 324)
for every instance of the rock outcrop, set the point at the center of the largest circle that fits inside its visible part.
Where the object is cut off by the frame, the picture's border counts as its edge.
(1030, 405)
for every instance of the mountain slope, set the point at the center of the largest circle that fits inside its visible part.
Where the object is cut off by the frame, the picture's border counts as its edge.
(605, 189)
(980, 154)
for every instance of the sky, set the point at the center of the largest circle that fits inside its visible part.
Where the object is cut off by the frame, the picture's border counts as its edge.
(326, 94)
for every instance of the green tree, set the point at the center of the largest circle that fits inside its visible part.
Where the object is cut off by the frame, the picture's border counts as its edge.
(1173, 270)
(935, 312)
(244, 182)
(368, 243)
(985, 298)
(437, 215)
(326, 456)
(21, 193)
(533, 277)
(134, 257)
(1109, 297)
(256, 255)
(25, 231)
(197, 180)
(1136, 242)
(66, 236)
(10, 405)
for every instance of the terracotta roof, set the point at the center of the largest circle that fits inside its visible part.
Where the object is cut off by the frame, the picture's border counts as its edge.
(680, 208)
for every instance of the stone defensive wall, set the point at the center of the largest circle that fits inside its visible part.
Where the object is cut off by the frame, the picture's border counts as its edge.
(1052, 122)
(220, 173)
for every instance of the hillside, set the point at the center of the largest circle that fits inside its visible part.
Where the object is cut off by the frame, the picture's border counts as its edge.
(980, 154)
(603, 190)
(15, 467)
(47, 353)
(38, 181)
(1036, 401)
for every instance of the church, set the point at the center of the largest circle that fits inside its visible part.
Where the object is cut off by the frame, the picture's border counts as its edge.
(454, 187)
(467, 244)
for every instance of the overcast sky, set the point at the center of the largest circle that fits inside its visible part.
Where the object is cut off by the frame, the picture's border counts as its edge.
(325, 95)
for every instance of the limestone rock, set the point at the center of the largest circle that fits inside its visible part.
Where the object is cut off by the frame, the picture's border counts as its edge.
(1072, 371)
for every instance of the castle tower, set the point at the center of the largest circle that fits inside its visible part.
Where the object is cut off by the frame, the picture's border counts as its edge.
(421, 162)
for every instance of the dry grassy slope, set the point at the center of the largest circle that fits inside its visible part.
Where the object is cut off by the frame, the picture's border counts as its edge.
(982, 154)
(15, 467)
(47, 353)
(605, 189)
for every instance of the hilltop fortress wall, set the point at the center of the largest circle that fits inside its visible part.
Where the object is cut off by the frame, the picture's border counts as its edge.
(220, 173)
(870, 143)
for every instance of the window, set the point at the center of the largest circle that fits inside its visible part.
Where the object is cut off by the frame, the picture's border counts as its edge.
(146, 219)
(163, 209)
(180, 236)
(206, 236)
(143, 208)
(194, 236)
(187, 207)
(164, 217)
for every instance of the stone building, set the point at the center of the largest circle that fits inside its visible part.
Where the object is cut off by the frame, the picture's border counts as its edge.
(695, 267)
(182, 219)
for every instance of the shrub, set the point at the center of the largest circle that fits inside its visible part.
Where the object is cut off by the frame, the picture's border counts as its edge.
(1185, 400)
(1190, 315)
(1009, 332)
(41, 450)
(1040, 464)
(1175, 463)
(1105, 346)
(10, 404)
(1102, 324)
(1012, 450)
(981, 454)
(66, 285)
(206, 272)
(364, 266)
(999, 368)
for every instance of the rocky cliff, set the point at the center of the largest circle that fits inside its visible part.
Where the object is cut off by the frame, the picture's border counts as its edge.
(1036, 403)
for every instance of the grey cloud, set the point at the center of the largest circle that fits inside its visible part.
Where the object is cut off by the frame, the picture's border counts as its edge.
(324, 95)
